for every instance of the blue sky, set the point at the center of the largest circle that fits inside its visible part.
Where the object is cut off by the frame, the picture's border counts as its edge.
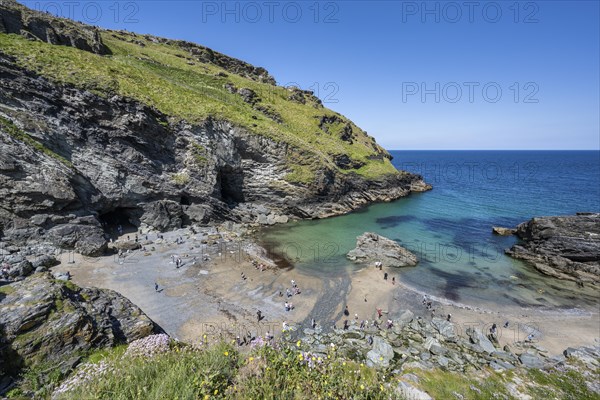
(416, 75)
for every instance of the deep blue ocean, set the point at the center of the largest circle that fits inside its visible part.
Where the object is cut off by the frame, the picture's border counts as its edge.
(450, 227)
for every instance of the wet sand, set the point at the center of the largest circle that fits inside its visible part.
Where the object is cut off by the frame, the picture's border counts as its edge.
(211, 298)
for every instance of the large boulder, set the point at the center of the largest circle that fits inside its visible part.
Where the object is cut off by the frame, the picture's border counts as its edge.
(372, 248)
(46, 320)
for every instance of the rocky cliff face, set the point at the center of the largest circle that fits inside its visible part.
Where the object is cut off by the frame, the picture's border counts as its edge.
(50, 322)
(567, 247)
(75, 161)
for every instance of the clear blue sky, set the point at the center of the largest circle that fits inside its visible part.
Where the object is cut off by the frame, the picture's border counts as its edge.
(372, 61)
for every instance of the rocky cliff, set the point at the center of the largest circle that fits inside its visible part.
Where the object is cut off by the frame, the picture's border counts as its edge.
(567, 247)
(102, 128)
(52, 323)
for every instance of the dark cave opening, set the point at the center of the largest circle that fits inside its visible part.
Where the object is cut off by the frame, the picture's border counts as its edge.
(123, 217)
(185, 201)
(231, 184)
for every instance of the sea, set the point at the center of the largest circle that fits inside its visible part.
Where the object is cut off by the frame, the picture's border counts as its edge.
(450, 227)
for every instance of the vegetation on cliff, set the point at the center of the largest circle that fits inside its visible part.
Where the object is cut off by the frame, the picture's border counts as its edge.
(189, 82)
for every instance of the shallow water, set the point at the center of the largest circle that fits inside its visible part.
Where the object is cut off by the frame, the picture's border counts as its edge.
(450, 227)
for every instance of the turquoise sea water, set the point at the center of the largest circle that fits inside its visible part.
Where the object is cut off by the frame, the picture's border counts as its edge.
(450, 227)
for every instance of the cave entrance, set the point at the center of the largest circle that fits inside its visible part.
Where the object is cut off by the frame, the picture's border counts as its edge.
(119, 217)
(231, 184)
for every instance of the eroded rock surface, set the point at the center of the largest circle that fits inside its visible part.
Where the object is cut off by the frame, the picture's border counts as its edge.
(47, 320)
(567, 247)
(372, 248)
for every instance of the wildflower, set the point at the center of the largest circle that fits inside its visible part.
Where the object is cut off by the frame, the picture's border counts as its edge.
(298, 343)
(251, 359)
(362, 387)
(216, 391)
(226, 353)
(206, 397)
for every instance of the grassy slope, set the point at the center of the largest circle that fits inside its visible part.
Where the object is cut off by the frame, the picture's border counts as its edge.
(221, 371)
(161, 75)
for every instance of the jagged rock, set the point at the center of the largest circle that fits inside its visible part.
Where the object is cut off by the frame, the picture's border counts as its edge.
(531, 360)
(566, 247)
(480, 340)
(42, 319)
(590, 356)
(14, 18)
(381, 354)
(498, 230)
(371, 247)
(89, 240)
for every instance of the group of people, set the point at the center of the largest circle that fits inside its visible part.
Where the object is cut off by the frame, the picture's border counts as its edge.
(258, 265)
(177, 261)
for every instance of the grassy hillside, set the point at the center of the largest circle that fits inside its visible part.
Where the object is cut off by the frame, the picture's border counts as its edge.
(170, 77)
(156, 368)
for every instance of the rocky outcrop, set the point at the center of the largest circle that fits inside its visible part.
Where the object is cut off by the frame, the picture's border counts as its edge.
(35, 25)
(372, 248)
(74, 165)
(55, 322)
(410, 342)
(498, 230)
(566, 247)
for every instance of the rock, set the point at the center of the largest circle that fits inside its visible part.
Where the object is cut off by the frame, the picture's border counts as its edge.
(381, 354)
(480, 340)
(499, 365)
(371, 248)
(20, 20)
(410, 392)
(444, 327)
(503, 231)
(89, 240)
(46, 320)
(590, 356)
(566, 247)
(531, 361)
(443, 361)
(45, 261)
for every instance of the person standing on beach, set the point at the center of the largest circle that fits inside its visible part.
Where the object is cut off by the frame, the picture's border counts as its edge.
(379, 313)
(155, 287)
(259, 315)
(385, 276)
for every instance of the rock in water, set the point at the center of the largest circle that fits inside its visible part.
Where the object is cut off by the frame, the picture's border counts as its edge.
(498, 230)
(42, 319)
(566, 247)
(371, 248)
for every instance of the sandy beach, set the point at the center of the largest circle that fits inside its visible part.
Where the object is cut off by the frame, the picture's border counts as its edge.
(207, 295)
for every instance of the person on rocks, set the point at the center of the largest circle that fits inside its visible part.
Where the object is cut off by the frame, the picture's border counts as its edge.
(493, 329)
(238, 340)
(284, 326)
(356, 317)
(390, 323)
(370, 340)
(448, 317)
(362, 324)
(346, 324)
(506, 324)
(313, 323)
(379, 313)
(346, 311)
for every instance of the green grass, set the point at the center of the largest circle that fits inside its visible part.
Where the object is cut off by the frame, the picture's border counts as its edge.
(6, 290)
(220, 371)
(160, 76)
